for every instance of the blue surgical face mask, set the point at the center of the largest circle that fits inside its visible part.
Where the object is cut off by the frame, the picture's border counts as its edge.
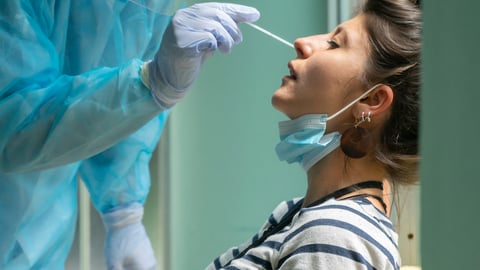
(303, 139)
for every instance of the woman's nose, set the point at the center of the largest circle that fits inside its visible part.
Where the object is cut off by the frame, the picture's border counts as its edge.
(306, 46)
(302, 47)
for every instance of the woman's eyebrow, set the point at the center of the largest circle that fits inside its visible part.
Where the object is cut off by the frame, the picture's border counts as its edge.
(344, 35)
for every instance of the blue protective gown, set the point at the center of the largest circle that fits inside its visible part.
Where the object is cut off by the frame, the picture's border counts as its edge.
(71, 102)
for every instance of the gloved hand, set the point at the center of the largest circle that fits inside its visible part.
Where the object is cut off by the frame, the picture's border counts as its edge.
(127, 245)
(194, 34)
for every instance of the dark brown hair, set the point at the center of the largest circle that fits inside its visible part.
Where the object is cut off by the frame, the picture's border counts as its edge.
(394, 30)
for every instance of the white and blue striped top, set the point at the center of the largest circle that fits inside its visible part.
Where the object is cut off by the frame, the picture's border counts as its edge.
(335, 235)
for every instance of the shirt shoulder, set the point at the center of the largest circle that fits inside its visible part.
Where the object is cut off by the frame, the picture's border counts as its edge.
(346, 233)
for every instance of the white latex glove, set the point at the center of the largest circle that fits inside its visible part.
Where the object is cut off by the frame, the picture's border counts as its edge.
(194, 34)
(127, 246)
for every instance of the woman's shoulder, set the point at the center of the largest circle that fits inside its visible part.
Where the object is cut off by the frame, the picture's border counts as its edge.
(348, 227)
(357, 218)
(346, 221)
(346, 210)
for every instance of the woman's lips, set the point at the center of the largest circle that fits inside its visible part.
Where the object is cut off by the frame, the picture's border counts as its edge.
(291, 77)
(293, 74)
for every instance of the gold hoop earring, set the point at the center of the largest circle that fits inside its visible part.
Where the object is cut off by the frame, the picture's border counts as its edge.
(356, 141)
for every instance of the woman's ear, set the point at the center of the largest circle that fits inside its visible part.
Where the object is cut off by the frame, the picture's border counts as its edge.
(377, 102)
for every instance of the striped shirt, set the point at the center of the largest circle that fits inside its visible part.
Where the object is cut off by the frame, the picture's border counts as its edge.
(335, 235)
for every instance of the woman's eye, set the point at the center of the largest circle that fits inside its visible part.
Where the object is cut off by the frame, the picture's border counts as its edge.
(333, 44)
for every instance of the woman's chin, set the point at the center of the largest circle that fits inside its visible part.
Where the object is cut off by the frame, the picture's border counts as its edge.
(276, 101)
(279, 104)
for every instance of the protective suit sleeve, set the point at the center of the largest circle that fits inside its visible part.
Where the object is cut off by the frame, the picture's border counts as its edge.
(118, 181)
(49, 119)
(120, 175)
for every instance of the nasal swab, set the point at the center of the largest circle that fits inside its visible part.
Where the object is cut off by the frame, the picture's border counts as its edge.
(270, 34)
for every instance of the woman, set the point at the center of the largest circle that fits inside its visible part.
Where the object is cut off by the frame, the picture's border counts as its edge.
(352, 97)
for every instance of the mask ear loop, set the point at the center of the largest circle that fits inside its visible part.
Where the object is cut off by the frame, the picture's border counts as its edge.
(356, 141)
(353, 102)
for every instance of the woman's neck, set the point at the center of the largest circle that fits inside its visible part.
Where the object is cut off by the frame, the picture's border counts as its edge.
(335, 171)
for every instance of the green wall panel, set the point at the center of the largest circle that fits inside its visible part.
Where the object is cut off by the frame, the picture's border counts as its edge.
(450, 136)
(225, 176)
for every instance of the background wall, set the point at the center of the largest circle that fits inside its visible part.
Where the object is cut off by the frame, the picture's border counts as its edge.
(450, 135)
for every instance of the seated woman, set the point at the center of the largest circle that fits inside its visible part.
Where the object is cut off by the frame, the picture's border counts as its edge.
(352, 99)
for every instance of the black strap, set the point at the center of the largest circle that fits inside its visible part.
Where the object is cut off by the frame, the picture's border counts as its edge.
(287, 218)
(363, 195)
(347, 190)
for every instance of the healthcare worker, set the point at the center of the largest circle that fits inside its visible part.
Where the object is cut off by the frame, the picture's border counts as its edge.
(78, 95)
